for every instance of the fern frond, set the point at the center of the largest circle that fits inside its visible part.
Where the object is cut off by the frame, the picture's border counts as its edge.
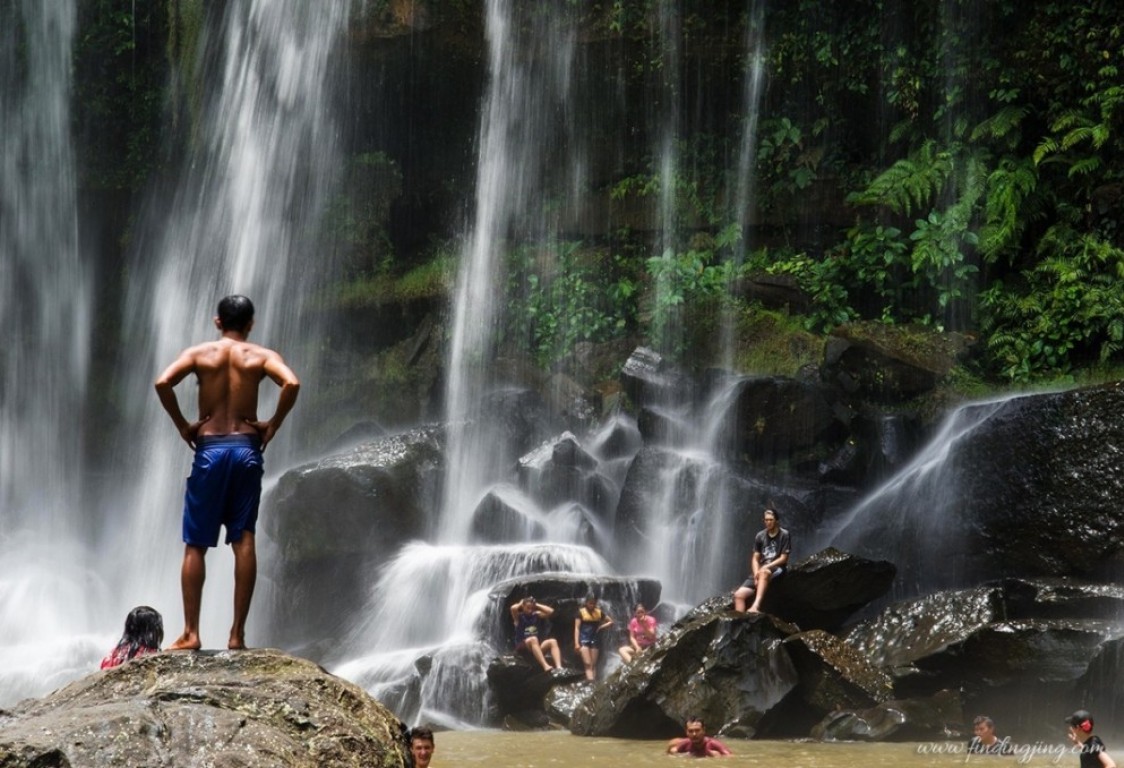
(910, 182)
(1001, 123)
(1084, 165)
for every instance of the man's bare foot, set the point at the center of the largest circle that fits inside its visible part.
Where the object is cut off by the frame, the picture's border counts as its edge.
(236, 644)
(753, 609)
(186, 642)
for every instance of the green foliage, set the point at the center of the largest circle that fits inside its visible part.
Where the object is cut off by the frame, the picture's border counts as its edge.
(1068, 307)
(680, 279)
(911, 182)
(119, 76)
(559, 295)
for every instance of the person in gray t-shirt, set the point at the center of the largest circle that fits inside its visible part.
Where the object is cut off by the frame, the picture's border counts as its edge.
(770, 555)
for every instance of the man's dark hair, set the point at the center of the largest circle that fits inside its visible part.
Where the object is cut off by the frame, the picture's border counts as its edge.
(985, 720)
(771, 511)
(694, 719)
(236, 313)
(424, 734)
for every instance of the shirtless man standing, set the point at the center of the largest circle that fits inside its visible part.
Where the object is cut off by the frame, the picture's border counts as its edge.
(228, 439)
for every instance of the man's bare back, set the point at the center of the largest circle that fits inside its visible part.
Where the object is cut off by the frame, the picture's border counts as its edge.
(229, 372)
(225, 487)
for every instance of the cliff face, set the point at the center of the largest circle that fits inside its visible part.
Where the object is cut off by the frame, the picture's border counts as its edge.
(208, 708)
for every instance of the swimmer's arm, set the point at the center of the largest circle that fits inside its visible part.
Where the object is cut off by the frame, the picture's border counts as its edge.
(673, 746)
(1106, 761)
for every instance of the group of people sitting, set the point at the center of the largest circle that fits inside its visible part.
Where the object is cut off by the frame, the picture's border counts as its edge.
(530, 618)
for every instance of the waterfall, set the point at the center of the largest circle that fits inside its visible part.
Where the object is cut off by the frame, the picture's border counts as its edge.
(912, 519)
(243, 218)
(45, 305)
(528, 85)
(745, 185)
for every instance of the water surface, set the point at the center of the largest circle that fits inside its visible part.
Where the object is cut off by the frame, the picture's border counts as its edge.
(503, 749)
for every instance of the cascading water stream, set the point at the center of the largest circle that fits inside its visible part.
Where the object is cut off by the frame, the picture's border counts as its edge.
(242, 219)
(528, 85)
(48, 588)
(910, 519)
(432, 601)
(745, 186)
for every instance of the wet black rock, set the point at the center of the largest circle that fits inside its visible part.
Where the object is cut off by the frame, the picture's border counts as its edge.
(776, 417)
(499, 518)
(336, 519)
(833, 676)
(560, 471)
(917, 719)
(519, 686)
(727, 668)
(254, 709)
(650, 380)
(825, 589)
(619, 438)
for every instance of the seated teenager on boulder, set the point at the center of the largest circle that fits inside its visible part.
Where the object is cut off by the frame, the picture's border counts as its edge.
(696, 743)
(985, 742)
(144, 632)
(770, 556)
(530, 619)
(641, 633)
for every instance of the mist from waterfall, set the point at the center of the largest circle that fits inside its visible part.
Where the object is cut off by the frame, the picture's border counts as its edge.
(49, 589)
(242, 216)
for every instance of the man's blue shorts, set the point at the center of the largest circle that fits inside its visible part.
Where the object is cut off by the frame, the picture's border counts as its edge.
(224, 489)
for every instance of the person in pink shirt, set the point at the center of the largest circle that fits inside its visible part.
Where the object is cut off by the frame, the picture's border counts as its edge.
(144, 632)
(641, 633)
(696, 743)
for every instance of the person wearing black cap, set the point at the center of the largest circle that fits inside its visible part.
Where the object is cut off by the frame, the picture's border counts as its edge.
(1093, 752)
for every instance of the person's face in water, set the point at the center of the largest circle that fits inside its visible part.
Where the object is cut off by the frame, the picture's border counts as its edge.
(529, 605)
(422, 750)
(984, 732)
(696, 732)
(591, 605)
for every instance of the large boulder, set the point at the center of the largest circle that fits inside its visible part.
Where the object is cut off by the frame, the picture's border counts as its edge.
(335, 520)
(648, 379)
(1028, 486)
(833, 676)
(825, 589)
(250, 709)
(728, 668)
(1016, 646)
(924, 718)
(780, 419)
(890, 364)
(560, 471)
